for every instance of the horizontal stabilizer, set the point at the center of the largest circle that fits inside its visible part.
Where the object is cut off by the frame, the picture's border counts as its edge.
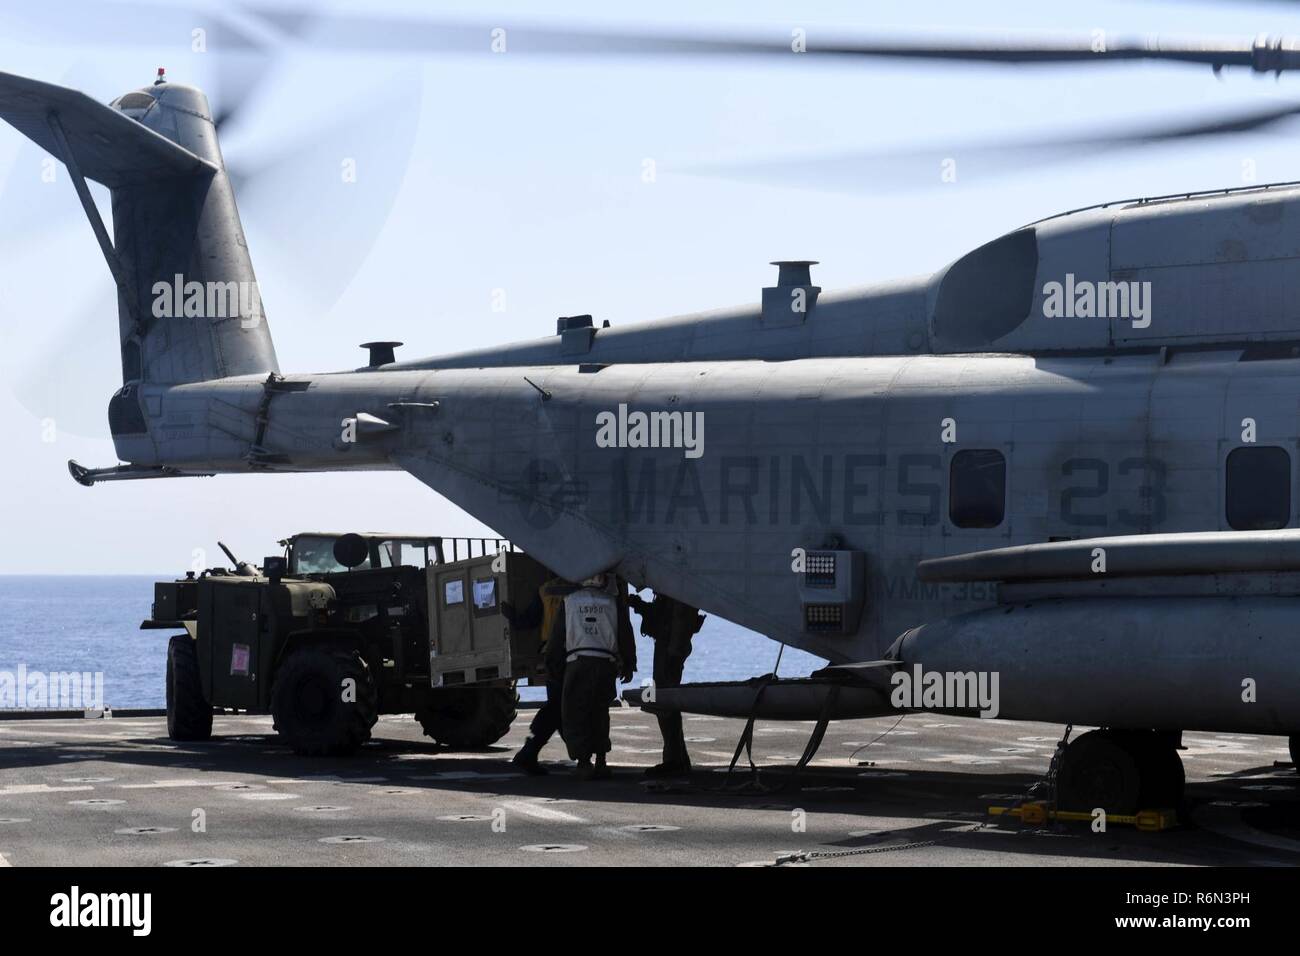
(89, 476)
(107, 145)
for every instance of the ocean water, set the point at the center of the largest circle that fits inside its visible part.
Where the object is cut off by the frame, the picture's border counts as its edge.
(75, 623)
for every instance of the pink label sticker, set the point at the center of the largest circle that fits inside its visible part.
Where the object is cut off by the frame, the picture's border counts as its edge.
(240, 655)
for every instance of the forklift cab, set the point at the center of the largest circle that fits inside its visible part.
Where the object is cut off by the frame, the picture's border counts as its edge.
(320, 552)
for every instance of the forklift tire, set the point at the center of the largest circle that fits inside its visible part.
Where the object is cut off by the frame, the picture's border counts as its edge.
(189, 715)
(468, 718)
(308, 706)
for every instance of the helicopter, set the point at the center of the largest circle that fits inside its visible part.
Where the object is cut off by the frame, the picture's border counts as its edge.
(944, 479)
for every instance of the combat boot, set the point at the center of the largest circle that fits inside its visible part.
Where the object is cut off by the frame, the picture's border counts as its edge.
(526, 759)
(678, 768)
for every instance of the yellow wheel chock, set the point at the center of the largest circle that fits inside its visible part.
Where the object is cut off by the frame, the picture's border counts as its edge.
(1037, 812)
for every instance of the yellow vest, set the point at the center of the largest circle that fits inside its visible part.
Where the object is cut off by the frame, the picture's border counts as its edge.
(551, 604)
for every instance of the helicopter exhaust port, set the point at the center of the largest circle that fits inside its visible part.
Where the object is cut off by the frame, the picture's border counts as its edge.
(793, 296)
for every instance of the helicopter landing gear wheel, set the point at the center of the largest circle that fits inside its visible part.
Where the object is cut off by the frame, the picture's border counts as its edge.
(1120, 771)
(1163, 778)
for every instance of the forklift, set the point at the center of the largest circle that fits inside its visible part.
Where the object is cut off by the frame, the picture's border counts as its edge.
(341, 628)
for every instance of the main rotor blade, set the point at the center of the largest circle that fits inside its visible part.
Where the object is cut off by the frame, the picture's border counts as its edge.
(921, 167)
(1263, 55)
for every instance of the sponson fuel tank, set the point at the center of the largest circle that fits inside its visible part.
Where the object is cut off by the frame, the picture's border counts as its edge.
(1191, 631)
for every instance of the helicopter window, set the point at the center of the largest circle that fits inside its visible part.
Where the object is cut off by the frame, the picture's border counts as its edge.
(1258, 488)
(136, 100)
(977, 488)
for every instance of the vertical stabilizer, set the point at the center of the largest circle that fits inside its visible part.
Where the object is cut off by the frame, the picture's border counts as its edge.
(189, 309)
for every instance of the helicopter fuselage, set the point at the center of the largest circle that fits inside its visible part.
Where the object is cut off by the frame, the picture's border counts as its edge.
(898, 458)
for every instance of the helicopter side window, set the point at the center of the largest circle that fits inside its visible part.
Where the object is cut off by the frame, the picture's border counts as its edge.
(1257, 487)
(977, 488)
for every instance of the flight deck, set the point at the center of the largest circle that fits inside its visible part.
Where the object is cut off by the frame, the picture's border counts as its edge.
(881, 792)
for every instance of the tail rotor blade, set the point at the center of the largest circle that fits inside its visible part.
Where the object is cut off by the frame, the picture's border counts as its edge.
(69, 384)
(336, 187)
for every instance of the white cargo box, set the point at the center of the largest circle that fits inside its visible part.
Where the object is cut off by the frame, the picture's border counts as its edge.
(470, 639)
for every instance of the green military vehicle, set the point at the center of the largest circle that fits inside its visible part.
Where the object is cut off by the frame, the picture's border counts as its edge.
(344, 627)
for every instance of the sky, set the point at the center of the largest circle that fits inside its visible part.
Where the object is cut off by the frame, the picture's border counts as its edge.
(522, 180)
